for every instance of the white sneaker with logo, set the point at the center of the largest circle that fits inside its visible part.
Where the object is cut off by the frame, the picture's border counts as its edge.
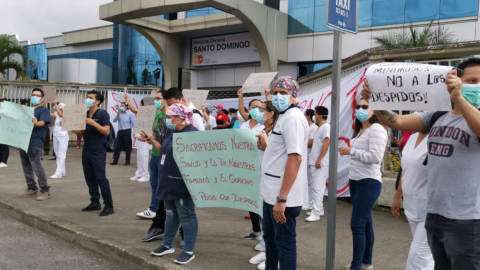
(147, 214)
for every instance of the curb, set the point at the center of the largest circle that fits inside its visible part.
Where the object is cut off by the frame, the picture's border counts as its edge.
(111, 250)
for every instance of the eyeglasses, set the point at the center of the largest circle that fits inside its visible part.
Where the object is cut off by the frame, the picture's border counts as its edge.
(259, 108)
(365, 107)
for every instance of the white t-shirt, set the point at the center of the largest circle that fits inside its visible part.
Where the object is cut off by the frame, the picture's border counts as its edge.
(322, 133)
(312, 129)
(258, 128)
(415, 178)
(240, 119)
(289, 136)
(197, 118)
(210, 124)
(57, 130)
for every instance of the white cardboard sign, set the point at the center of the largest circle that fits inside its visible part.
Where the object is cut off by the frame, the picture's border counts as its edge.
(258, 82)
(50, 93)
(74, 117)
(144, 120)
(197, 97)
(409, 87)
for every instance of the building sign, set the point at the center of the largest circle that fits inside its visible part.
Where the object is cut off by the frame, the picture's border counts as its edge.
(220, 50)
(342, 15)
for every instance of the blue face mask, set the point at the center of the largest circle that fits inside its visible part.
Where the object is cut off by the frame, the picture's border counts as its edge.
(362, 115)
(217, 110)
(35, 100)
(158, 104)
(254, 113)
(122, 109)
(259, 118)
(471, 93)
(281, 102)
(170, 126)
(89, 102)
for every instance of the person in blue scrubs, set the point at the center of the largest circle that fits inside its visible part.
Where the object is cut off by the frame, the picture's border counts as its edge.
(94, 155)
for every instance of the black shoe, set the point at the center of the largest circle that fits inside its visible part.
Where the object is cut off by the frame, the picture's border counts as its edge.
(92, 207)
(153, 234)
(162, 250)
(114, 163)
(126, 163)
(184, 258)
(107, 211)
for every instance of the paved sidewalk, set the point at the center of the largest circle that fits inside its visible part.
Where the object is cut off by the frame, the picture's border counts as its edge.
(218, 245)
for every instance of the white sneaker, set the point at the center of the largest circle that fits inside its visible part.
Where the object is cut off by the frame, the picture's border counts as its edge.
(143, 179)
(259, 258)
(3, 165)
(261, 266)
(312, 218)
(135, 178)
(364, 267)
(259, 247)
(55, 176)
(321, 214)
(147, 214)
(306, 207)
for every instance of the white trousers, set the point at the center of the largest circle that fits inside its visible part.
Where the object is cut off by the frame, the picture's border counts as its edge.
(419, 257)
(60, 144)
(143, 153)
(316, 187)
(306, 191)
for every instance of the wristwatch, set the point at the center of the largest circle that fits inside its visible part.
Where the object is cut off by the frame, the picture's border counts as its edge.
(280, 200)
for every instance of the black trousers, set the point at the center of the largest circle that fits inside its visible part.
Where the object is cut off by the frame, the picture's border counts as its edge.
(4, 153)
(161, 217)
(256, 222)
(95, 176)
(124, 141)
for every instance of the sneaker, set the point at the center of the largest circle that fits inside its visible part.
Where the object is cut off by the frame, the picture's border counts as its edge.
(261, 266)
(114, 162)
(92, 207)
(107, 211)
(182, 243)
(162, 250)
(135, 178)
(153, 234)
(312, 218)
(364, 267)
(259, 247)
(184, 258)
(44, 195)
(3, 165)
(306, 207)
(55, 176)
(259, 258)
(147, 214)
(144, 179)
(28, 193)
(251, 236)
(321, 214)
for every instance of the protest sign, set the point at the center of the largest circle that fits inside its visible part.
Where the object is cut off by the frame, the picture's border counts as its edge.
(148, 101)
(114, 100)
(197, 97)
(50, 93)
(408, 86)
(74, 117)
(220, 168)
(258, 82)
(145, 118)
(16, 125)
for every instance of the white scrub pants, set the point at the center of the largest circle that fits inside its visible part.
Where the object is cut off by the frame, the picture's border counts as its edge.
(316, 187)
(60, 144)
(420, 257)
(306, 190)
(143, 153)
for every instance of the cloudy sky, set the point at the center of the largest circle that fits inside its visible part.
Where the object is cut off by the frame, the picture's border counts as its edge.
(35, 19)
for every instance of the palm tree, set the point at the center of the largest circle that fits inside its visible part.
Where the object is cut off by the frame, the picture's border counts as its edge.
(8, 47)
(415, 37)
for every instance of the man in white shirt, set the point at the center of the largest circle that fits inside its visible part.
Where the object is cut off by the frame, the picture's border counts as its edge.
(174, 95)
(318, 164)
(284, 172)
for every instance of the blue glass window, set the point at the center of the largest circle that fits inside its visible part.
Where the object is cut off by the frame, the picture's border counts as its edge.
(36, 62)
(202, 12)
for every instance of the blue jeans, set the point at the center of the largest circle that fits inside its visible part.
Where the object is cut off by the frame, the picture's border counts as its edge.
(181, 212)
(280, 239)
(363, 193)
(154, 163)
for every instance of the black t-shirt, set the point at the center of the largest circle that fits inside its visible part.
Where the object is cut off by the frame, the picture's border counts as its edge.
(94, 140)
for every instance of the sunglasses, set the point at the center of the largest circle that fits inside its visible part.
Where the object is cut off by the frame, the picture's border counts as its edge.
(365, 107)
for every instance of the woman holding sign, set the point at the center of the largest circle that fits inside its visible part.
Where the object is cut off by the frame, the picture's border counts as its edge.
(172, 189)
(366, 153)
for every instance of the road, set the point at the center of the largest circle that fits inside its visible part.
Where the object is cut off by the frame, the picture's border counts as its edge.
(23, 247)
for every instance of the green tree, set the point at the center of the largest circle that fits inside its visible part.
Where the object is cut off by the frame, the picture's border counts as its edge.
(415, 37)
(8, 47)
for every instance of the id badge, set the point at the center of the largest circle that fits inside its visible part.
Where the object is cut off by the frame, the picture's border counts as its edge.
(163, 160)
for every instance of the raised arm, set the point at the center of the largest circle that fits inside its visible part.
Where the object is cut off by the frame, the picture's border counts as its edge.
(241, 105)
(130, 106)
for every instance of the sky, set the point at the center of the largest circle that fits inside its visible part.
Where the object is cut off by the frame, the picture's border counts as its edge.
(35, 19)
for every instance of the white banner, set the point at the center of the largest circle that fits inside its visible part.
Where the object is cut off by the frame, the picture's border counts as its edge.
(114, 100)
(409, 87)
(220, 50)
